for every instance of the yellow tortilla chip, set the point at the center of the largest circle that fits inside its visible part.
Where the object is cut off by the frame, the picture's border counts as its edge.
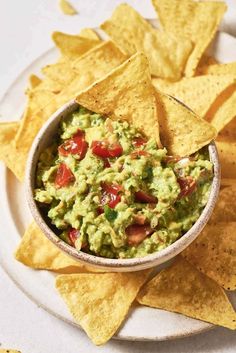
(8, 154)
(167, 55)
(227, 156)
(61, 74)
(183, 289)
(205, 62)
(218, 69)
(198, 21)
(34, 81)
(9, 351)
(125, 93)
(88, 68)
(72, 46)
(100, 302)
(182, 132)
(228, 133)
(67, 8)
(89, 33)
(225, 209)
(214, 253)
(198, 93)
(36, 251)
(223, 111)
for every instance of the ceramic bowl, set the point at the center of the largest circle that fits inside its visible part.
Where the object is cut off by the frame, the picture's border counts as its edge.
(43, 140)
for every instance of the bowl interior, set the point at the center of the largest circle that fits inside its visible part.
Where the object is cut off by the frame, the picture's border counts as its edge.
(43, 140)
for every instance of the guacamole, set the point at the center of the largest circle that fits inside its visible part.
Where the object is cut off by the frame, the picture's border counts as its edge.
(108, 190)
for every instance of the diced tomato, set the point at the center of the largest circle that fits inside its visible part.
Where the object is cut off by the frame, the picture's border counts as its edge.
(136, 154)
(73, 235)
(110, 194)
(76, 146)
(64, 176)
(136, 233)
(141, 196)
(187, 186)
(105, 150)
(139, 141)
(106, 163)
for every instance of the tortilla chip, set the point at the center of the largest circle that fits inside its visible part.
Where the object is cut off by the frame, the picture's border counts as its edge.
(89, 33)
(34, 81)
(36, 251)
(228, 133)
(205, 62)
(9, 351)
(227, 182)
(198, 21)
(8, 154)
(225, 209)
(126, 93)
(227, 156)
(182, 132)
(88, 68)
(72, 46)
(183, 289)
(198, 93)
(218, 69)
(214, 253)
(166, 54)
(223, 111)
(67, 8)
(100, 302)
(61, 74)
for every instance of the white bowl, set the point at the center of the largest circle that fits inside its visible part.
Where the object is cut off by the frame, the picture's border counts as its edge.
(43, 140)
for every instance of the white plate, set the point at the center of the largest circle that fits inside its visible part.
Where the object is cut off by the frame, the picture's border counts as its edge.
(143, 323)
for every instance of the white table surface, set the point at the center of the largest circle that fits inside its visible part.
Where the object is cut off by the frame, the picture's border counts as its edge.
(25, 27)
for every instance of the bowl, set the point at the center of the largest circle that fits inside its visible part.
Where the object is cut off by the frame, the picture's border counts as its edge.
(43, 140)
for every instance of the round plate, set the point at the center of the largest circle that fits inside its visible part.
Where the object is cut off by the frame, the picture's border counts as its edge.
(14, 217)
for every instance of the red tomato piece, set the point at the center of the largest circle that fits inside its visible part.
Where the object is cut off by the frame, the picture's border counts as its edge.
(106, 163)
(76, 145)
(187, 186)
(64, 176)
(139, 141)
(136, 233)
(141, 196)
(73, 235)
(105, 150)
(110, 194)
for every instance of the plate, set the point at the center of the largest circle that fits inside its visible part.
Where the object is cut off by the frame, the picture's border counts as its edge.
(14, 216)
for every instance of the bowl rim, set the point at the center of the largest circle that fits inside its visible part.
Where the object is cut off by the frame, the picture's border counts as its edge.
(108, 264)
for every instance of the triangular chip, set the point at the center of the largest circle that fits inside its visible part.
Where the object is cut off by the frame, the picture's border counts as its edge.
(218, 69)
(223, 111)
(125, 93)
(225, 209)
(198, 93)
(34, 81)
(183, 289)
(198, 21)
(89, 33)
(228, 133)
(100, 302)
(67, 8)
(182, 132)
(72, 46)
(8, 154)
(227, 156)
(214, 253)
(37, 252)
(166, 54)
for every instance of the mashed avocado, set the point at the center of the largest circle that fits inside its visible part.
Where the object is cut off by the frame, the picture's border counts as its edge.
(109, 191)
